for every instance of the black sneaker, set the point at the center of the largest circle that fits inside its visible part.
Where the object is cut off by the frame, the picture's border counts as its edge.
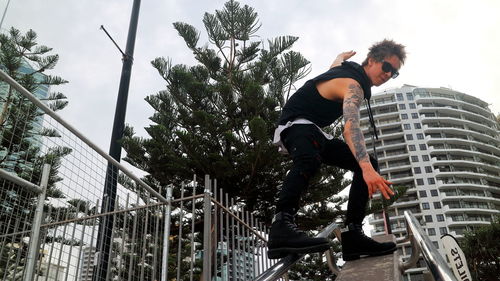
(285, 239)
(356, 244)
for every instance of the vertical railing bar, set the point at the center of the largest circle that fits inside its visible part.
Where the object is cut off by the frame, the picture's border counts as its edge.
(52, 245)
(215, 225)
(62, 246)
(43, 240)
(124, 233)
(245, 243)
(20, 249)
(166, 240)
(221, 235)
(72, 237)
(100, 246)
(82, 237)
(261, 247)
(207, 231)
(253, 252)
(132, 241)
(144, 238)
(193, 258)
(179, 248)
(90, 263)
(238, 236)
(156, 243)
(267, 261)
(233, 246)
(228, 243)
(113, 225)
(35, 229)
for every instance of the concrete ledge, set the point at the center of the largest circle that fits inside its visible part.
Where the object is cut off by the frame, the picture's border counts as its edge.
(383, 268)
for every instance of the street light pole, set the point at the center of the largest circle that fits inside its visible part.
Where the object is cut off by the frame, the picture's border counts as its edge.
(109, 197)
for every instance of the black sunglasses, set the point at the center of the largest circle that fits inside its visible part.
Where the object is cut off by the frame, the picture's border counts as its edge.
(387, 67)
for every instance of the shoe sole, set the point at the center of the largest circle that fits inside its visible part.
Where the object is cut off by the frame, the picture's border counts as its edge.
(279, 253)
(367, 254)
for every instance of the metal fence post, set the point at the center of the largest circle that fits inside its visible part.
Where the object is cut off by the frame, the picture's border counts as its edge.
(168, 208)
(207, 227)
(37, 222)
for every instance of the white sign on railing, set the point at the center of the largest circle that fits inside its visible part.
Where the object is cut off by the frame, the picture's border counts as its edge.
(456, 257)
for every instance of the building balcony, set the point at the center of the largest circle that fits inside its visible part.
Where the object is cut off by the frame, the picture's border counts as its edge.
(450, 222)
(483, 129)
(447, 210)
(457, 102)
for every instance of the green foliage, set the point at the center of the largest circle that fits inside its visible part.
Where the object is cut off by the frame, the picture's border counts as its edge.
(482, 251)
(21, 135)
(218, 118)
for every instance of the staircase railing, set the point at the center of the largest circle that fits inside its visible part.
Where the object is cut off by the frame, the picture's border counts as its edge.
(438, 270)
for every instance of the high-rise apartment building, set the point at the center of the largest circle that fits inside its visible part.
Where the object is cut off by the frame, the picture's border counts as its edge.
(444, 145)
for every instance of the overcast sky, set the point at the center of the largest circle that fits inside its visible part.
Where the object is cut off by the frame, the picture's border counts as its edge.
(450, 43)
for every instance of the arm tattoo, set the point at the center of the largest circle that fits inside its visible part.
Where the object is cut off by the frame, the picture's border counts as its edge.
(351, 108)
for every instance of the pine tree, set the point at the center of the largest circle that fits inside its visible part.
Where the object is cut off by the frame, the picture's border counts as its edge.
(218, 117)
(21, 134)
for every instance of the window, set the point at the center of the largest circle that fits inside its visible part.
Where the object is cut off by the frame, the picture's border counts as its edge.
(412, 147)
(443, 230)
(436, 244)
(428, 218)
(425, 206)
(414, 159)
(437, 205)
(425, 157)
(422, 146)
(434, 192)
(431, 181)
(402, 106)
(422, 193)
(412, 105)
(399, 96)
(428, 169)
(420, 181)
(409, 137)
(417, 126)
(414, 115)
(409, 96)
(404, 116)
(420, 136)
(417, 170)
(440, 217)
(431, 231)
(407, 126)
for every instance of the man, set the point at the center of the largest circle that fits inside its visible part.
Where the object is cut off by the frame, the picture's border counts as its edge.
(317, 104)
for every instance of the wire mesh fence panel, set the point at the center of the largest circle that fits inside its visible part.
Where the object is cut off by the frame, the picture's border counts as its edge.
(129, 232)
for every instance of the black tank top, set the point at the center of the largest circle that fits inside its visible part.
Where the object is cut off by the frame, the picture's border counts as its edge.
(309, 104)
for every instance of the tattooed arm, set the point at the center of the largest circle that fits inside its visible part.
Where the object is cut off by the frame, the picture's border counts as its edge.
(356, 141)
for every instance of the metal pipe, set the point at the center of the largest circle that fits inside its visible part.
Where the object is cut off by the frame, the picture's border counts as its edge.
(164, 261)
(35, 231)
(207, 231)
(435, 263)
(30, 187)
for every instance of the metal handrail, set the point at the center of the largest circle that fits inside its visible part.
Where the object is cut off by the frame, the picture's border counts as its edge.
(5, 77)
(421, 243)
(31, 187)
(279, 269)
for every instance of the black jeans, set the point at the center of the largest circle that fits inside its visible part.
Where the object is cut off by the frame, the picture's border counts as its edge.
(309, 148)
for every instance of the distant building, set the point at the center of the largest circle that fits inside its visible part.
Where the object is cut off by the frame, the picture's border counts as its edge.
(444, 145)
(86, 266)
